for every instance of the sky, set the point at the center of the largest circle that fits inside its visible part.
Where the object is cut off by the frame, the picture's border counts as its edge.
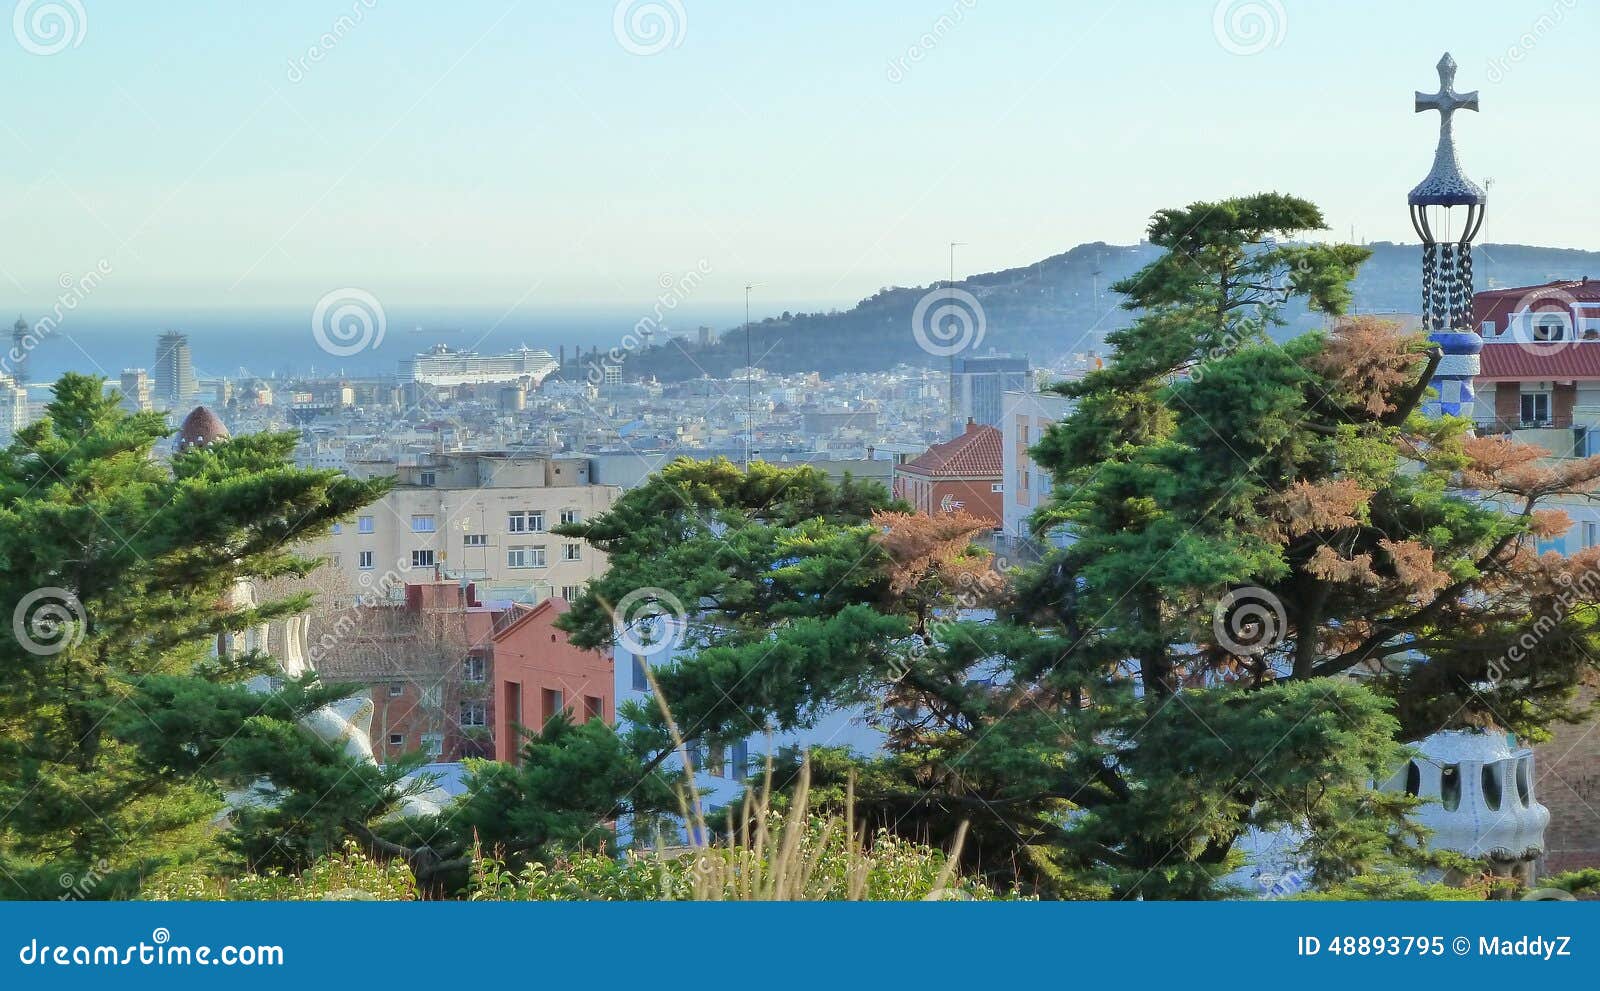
(514, 153)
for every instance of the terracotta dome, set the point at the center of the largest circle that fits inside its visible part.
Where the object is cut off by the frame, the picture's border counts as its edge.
(201, 428)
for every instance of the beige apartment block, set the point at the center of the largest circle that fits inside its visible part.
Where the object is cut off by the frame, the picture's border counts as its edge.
(480, 517)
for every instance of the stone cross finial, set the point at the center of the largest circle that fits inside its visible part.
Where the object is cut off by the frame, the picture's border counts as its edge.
(1447, 101)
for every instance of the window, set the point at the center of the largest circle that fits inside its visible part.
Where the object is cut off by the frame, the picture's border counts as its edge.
(474, 669)
(571, 592)
(525, 557)
(396, 689)
(552, 704)
(433, 696)
(433, 744)
(363, 524)
(1550, 327)
(641, 681)
(476, 540)
(594, 708)
(1524, 784)
(739, 764)
(1536, 407)
(364, 560)
(528, 521)
(422, 559)
(1591, 534)
(1493, 786)
(716, 760)
(397, 740)
(1450, 787)
(337, 529)
(571, 516)
(427, 478)
(572, 552)
(996, 487)
(474, 712)
(1413, 779)
(422, 524)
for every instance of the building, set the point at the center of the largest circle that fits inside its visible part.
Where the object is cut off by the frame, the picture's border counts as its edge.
(137, 390)
(978, 386)
(720, 772)
(483, 517)
(825, 422)
(22, 343)
(1540, 363)
(1027, 486)
(424, 656)
(538, 673)
(13, 408)
(175, 384)
(963, 474)
(442, 365)
(1539, 382)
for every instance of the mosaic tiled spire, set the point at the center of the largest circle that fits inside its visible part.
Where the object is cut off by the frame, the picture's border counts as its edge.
(1447, 258)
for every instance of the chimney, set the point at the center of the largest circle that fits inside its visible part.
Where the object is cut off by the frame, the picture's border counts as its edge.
(971, 425)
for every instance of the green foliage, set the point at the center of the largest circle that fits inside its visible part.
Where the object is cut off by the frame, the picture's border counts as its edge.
(346, 874)
(826, 863)
(113, 724)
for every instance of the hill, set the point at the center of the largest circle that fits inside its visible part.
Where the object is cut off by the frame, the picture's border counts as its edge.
(1053, 307)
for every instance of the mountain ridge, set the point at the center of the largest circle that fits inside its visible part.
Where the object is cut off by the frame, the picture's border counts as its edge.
(1050, 308)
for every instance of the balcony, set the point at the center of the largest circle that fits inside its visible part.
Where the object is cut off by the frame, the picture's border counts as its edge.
(1495, 425)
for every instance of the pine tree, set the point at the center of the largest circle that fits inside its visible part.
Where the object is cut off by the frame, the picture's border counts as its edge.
(113, 714)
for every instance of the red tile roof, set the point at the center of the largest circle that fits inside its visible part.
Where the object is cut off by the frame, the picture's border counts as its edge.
(1583, 290)
(1514, 362)
(974, 454)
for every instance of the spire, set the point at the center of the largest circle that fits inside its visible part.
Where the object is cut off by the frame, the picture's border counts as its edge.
(1446, 184)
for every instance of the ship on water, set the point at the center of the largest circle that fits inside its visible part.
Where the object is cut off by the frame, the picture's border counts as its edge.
(443, 365)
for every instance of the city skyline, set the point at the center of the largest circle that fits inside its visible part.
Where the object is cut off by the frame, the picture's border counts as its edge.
(510, 156)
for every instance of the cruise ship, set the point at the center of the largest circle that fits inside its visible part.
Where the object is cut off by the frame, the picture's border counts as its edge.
(447, 366)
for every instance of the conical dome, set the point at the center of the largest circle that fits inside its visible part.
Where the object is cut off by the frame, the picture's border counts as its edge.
(201, 428)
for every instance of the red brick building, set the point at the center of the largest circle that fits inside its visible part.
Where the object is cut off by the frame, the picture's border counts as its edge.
(964, 473)
(452, 676)
(538, 673)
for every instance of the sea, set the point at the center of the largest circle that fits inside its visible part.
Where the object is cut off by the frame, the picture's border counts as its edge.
(285, 343)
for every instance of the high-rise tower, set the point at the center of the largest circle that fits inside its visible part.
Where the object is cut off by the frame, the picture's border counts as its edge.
(21, 345)
(174, 372)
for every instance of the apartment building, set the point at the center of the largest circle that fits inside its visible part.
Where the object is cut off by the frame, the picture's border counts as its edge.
(1027, 485)
(483, 517)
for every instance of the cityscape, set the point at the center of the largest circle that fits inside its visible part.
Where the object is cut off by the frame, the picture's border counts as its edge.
(576, 502)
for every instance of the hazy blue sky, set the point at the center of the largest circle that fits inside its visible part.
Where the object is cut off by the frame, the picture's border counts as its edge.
(493, 152)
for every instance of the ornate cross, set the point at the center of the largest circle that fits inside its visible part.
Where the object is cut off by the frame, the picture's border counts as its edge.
(1447, 101)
